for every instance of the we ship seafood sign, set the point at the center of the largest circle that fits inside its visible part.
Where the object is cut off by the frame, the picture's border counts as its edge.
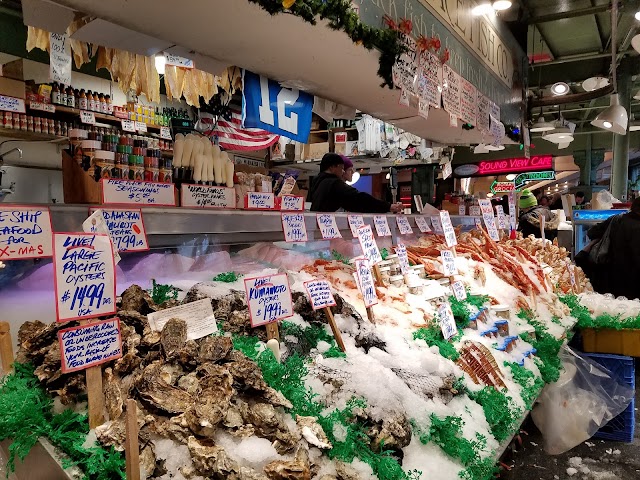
(90, 345)
(25, 232)
(84, 274)
(269, 299)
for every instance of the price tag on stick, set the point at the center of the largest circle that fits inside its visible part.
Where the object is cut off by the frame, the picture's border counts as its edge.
(268, 298)
(448, 263)
(447, 321)
(89, 345)
(447, 229)
(403, 259)
(365, 283)
(320, 295)
(369, 245)
(126, 228)
(458, 290)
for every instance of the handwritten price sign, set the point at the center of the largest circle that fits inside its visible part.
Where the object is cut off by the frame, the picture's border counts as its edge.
(260, 201)
(294, 227)
(458, 290)
(84, 272)
(328, 226)
(90, 345)
(319, 292)
(365, 282)
(369, 245)
(475, 211)
(448, 263)
(502, 219)
(12, 104)
(382, 226)
(404, 227)
(447, 321)
(269, 299)
(355, 222)
(165, 133)
(128, 126)
(25, 232)
(126, 228)
(437, 225)
(403, 259)
(447, 228)
(126, 192)
(204, 196)
(43, 107)
(87, 117)
(292, 203)
(423, 225)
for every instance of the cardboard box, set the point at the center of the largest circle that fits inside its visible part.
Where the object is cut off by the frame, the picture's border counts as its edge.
(314, 151)
(14, 70)
(12, 88)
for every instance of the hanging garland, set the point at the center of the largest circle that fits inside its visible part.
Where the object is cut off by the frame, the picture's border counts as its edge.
(341, 16)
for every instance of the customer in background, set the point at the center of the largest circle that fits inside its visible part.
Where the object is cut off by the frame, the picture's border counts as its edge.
(619, 274)
(580, 198)
(531, 215)
(556, 202)
(347, 176)
(544, 201)
(329, 192)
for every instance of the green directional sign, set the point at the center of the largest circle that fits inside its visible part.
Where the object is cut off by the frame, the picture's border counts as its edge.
(523, 178)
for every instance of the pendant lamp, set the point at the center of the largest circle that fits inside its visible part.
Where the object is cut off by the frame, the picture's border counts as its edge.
(541, 125)
(614, 118)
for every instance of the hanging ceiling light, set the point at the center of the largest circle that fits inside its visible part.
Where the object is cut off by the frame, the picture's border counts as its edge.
(511, 176)
(160, 61)
(614, 118)
(489, 195)
(594, 83)
(541, 125)
(560, 88)
(483, 8)
(559, 135)
(499, 5)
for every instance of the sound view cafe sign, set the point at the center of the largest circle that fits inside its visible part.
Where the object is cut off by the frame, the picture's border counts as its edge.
(505, 166)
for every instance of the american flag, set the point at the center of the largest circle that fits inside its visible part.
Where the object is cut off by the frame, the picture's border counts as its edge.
(232, 136)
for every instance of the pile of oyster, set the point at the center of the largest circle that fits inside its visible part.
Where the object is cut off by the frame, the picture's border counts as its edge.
(191, 391)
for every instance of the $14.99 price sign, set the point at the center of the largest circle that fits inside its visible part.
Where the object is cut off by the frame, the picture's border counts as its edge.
(84, 273)
(269, 298)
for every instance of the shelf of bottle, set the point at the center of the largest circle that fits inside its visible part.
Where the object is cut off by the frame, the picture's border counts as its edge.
(98, 116)
(31, 136)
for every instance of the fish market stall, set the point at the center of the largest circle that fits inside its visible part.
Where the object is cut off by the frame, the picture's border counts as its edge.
(457, 357)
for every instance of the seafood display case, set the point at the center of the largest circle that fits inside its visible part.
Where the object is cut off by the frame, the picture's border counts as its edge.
(583, 220)
(225, 406)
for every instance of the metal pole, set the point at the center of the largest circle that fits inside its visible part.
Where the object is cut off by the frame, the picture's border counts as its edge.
(620, 166)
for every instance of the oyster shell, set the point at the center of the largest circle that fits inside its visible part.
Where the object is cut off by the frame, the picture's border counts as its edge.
(210, 459)
(312, 432)
(189, 383)
(296, 469)
(269, 424)
(211, 405)
(173, 337)
(394, 433)
(159, 393)
(248, 374)
(136, 299)
(113, 398)
(214, 349)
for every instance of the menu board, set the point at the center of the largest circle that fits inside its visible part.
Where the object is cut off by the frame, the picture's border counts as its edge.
(25, 232)
(451, 94)
(468, 102)
(328, 226)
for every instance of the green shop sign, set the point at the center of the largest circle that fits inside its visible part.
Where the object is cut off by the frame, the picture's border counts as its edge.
(523, 178)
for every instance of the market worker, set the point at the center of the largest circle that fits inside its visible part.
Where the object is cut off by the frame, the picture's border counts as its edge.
(329, 192)
(531, 215)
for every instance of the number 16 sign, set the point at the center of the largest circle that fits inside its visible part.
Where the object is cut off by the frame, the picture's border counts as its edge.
(271, 107)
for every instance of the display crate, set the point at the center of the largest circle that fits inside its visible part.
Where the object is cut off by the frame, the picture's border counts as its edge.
(622, 427)
(608, 340)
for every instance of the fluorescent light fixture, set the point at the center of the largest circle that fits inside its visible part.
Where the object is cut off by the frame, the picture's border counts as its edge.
(354, 179)
(483, 8)
(511, 176)
(614, 118)
(160, 61)
(541, 125)
(499, 5)
(560, 88)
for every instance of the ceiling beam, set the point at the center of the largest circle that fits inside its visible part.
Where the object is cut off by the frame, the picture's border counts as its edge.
(579, 12)
(578, 58)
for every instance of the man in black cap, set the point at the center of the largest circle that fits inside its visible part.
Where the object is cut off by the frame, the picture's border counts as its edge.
(329, 192)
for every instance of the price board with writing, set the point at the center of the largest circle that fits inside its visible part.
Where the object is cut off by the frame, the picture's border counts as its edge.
(294, 227)
(12, 104)
(355, 222)
(365, 282)
(261, 201)
(489, 219)
(369, 246)
(403, 258)
(89, 345)
(87, 117)
(462, 209)
(502, 219)
(475, 211)
(197, 315)
(84, 276)
(382, 226)
(165, 133)
(59, 58)
(328, 226)
(127, 192)
(448, 230)
(512, 211)
(447, 321)
(25, 232)
(43, 107)
(141, 127)
(478, 223)
(179, 61)
(451, 93)
(292, 203)
(437, 225)
(268, 298)
(126, 228)
(404, 227)
(423, 224)
(447, 170)
(128, 126)
(320, 295)
(448, 263)
(458, 290)
(207, 196)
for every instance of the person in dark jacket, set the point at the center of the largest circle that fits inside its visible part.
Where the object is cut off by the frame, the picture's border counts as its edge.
(619, 276)
(531, 215)
(329, 192)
